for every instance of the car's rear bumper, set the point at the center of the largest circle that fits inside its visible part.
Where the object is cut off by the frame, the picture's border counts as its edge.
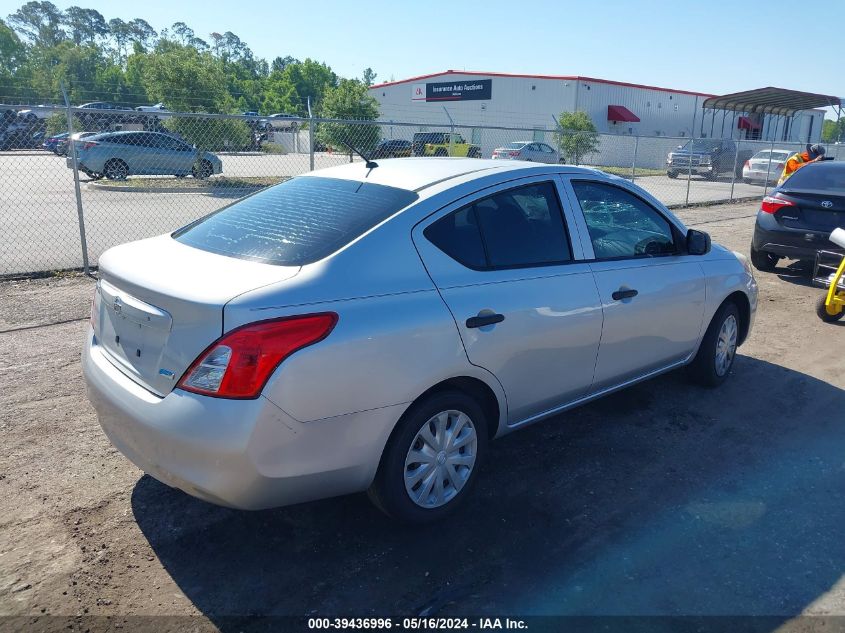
(771, 237)
(761, 176)
(246, 454)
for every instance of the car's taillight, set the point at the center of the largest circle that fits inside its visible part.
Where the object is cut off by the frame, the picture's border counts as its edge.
(771, 204)
(239, 364)
(514, 153)
(779, 166)
(747, 165)
(88, 144)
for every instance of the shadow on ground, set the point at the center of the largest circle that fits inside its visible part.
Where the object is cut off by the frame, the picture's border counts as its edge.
(662, 499)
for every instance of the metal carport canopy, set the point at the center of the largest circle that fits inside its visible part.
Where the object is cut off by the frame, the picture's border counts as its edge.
(771, 101)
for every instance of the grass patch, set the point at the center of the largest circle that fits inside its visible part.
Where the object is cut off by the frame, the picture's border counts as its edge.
(273, 148)
(211, 184)
(625, 172)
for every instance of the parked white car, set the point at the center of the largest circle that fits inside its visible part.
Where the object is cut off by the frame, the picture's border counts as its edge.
(372, 327)
(530, 151)
(158, 109)
(282, 121)
(765, 166)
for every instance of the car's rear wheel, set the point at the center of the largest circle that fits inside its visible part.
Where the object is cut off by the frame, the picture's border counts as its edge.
(763, 260)
(440, 152)
(203, 170)
(474, 153)
(672, 173)
(825, 313)
(116, 169)
(432, 458)
(715, 357)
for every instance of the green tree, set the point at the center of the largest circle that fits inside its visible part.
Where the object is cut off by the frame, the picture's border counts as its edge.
(350, 100)
(369, 76)
(212, 134)
(184, 79)
(12, 55)
(576, 136)
(84, 25)
(39, 22)
(139, 31)
(833, 131)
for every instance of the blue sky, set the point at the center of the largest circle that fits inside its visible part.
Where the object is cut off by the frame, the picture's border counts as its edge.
(710, 46)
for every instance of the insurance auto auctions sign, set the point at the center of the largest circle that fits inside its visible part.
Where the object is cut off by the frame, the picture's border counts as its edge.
(474, 90)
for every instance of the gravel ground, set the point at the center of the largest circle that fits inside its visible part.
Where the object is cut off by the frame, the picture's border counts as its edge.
(663, 499)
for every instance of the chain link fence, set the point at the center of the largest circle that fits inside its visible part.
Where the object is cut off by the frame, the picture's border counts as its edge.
(76, 181)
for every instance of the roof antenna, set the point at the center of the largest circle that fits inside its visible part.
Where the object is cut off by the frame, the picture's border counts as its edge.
(368, 162)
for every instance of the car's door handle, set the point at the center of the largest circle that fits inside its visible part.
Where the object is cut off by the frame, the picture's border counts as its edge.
(485, 319)
(627, 293)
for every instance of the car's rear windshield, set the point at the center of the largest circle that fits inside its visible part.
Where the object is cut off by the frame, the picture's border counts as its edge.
(516, 145)
(824, 177)
(297, 222)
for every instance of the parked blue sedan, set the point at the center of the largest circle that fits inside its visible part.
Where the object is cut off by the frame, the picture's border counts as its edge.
(117, 155)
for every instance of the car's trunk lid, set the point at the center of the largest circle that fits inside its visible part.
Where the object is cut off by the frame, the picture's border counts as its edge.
(813, 211)
(160, 303)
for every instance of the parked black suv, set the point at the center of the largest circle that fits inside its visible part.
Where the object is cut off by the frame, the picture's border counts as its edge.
(710, 158)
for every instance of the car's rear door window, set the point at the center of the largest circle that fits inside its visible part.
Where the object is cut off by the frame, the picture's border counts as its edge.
(620, 224)
(297, 222)
(511, 229)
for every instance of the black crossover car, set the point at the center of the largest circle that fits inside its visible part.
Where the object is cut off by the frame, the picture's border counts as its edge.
(796, 219)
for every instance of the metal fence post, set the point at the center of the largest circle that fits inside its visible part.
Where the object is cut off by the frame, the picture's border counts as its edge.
(311, 136)
(768, 169)
(634, 161)
(79, 212)
(733, 173)
(689, 166)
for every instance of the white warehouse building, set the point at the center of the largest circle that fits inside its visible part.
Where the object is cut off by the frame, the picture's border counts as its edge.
(472, 101)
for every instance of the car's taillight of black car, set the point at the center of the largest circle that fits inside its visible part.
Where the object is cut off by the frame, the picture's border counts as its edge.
(796, 220)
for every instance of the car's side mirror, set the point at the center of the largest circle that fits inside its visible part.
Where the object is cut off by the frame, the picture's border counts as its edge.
(698, 242)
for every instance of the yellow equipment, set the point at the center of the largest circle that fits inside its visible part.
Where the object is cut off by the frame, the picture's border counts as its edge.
(831, 306)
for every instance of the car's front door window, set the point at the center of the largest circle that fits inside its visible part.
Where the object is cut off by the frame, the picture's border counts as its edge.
(620, 224)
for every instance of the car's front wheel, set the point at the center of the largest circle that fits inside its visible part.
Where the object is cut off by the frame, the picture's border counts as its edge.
(717, 351)
(432, 458)
(203, 170)
(116, 169)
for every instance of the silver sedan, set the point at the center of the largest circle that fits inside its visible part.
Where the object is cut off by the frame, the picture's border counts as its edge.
(372, 328)
(528, 151)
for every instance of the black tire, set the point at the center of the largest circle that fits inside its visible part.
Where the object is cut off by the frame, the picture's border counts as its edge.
(672, 173)
(115, 169)
(203, 170)
(440, 152)
(763, 260)
(474, 152)
(824, 315)
(748, 181)
(713, 175)
(703, 369)
(388, 491)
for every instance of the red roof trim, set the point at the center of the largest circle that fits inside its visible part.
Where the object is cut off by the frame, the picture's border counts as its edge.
(558, 77)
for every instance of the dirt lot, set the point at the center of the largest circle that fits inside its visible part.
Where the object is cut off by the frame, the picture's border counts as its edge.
(663, 499)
